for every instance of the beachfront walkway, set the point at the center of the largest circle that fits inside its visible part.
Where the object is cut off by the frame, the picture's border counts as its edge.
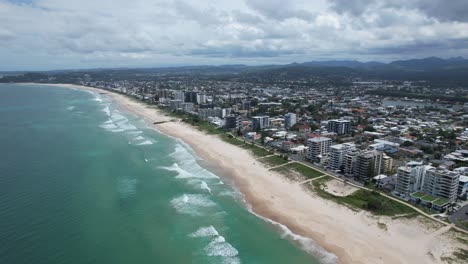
(274, 167)
(313, 179)
(266, 156)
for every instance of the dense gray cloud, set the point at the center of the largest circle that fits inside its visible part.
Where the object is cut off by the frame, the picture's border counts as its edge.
(444, 10)
(48, 34)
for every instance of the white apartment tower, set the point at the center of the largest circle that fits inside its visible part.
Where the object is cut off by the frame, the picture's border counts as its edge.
(338, 155)
(179, 95)
(410, 178)
(441, 183)
(350, 160)
(318, 147)
(289, 120)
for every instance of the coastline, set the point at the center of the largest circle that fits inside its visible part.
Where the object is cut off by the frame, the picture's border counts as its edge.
(354, 237)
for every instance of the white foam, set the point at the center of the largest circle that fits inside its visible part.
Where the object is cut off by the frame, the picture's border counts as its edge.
(219, 247)
(136, 132)
(191, 203)
(205, 231)
(307, 244)
(116, 130)
(109, 126)
(229, 193)
(70, 108)
(98, 99)
(125, 125)
(139, 138)
(234, 260)
(204, 186)
(146, 142)
(106, 110)
(186, 161)
(184, 174)
(116, 117)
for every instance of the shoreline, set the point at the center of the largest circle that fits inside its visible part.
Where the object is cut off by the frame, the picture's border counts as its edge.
(354, 237)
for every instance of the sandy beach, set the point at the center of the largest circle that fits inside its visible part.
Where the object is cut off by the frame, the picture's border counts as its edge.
(354, 237)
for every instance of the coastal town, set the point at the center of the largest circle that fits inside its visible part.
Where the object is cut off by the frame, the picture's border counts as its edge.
(411, 149)
(234, 132)
(385, 159)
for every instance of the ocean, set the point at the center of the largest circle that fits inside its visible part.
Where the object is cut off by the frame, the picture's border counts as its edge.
(83, 181)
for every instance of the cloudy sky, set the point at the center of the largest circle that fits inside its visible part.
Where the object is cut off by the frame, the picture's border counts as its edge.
(66, 34)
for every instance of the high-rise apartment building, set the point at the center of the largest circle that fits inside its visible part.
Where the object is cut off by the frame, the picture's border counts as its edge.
(289, 120)
(318, 148)
(338, 153)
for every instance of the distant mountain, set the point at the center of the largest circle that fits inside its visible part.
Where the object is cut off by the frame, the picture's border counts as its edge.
(346, 63)
(451, 71)
(430, 63)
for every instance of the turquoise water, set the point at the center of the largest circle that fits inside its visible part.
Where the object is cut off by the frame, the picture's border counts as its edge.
(82, 181)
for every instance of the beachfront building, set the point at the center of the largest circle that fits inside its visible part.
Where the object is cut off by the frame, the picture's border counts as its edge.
(175, 104)
(260, 122)
(368, 165)
(462, 186)
(201, 99)
(350, 160)
(164, 93)
(204, 113)
(190, 97)
(290, 120)
(179, 95)
(340, 127)
(188, 107)
(410, 178)
(232, 122)
(338, 153)
(441, 183)
(387, 164)
(318, 148)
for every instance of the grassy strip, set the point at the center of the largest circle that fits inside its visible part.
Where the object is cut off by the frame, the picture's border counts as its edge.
(257, 151)
(462, 224)
(362, 199)
(308, 172)
(302, 170)
(274, 160)
(461, 254)
(231, 140)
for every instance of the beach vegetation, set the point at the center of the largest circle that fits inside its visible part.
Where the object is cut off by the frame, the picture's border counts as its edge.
(274, 160)
(301, 169)
(371, 201)
(255, 150)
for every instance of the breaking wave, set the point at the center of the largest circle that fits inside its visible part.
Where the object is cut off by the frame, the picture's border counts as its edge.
(205, 231)
(307, 244)
(191, 204)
